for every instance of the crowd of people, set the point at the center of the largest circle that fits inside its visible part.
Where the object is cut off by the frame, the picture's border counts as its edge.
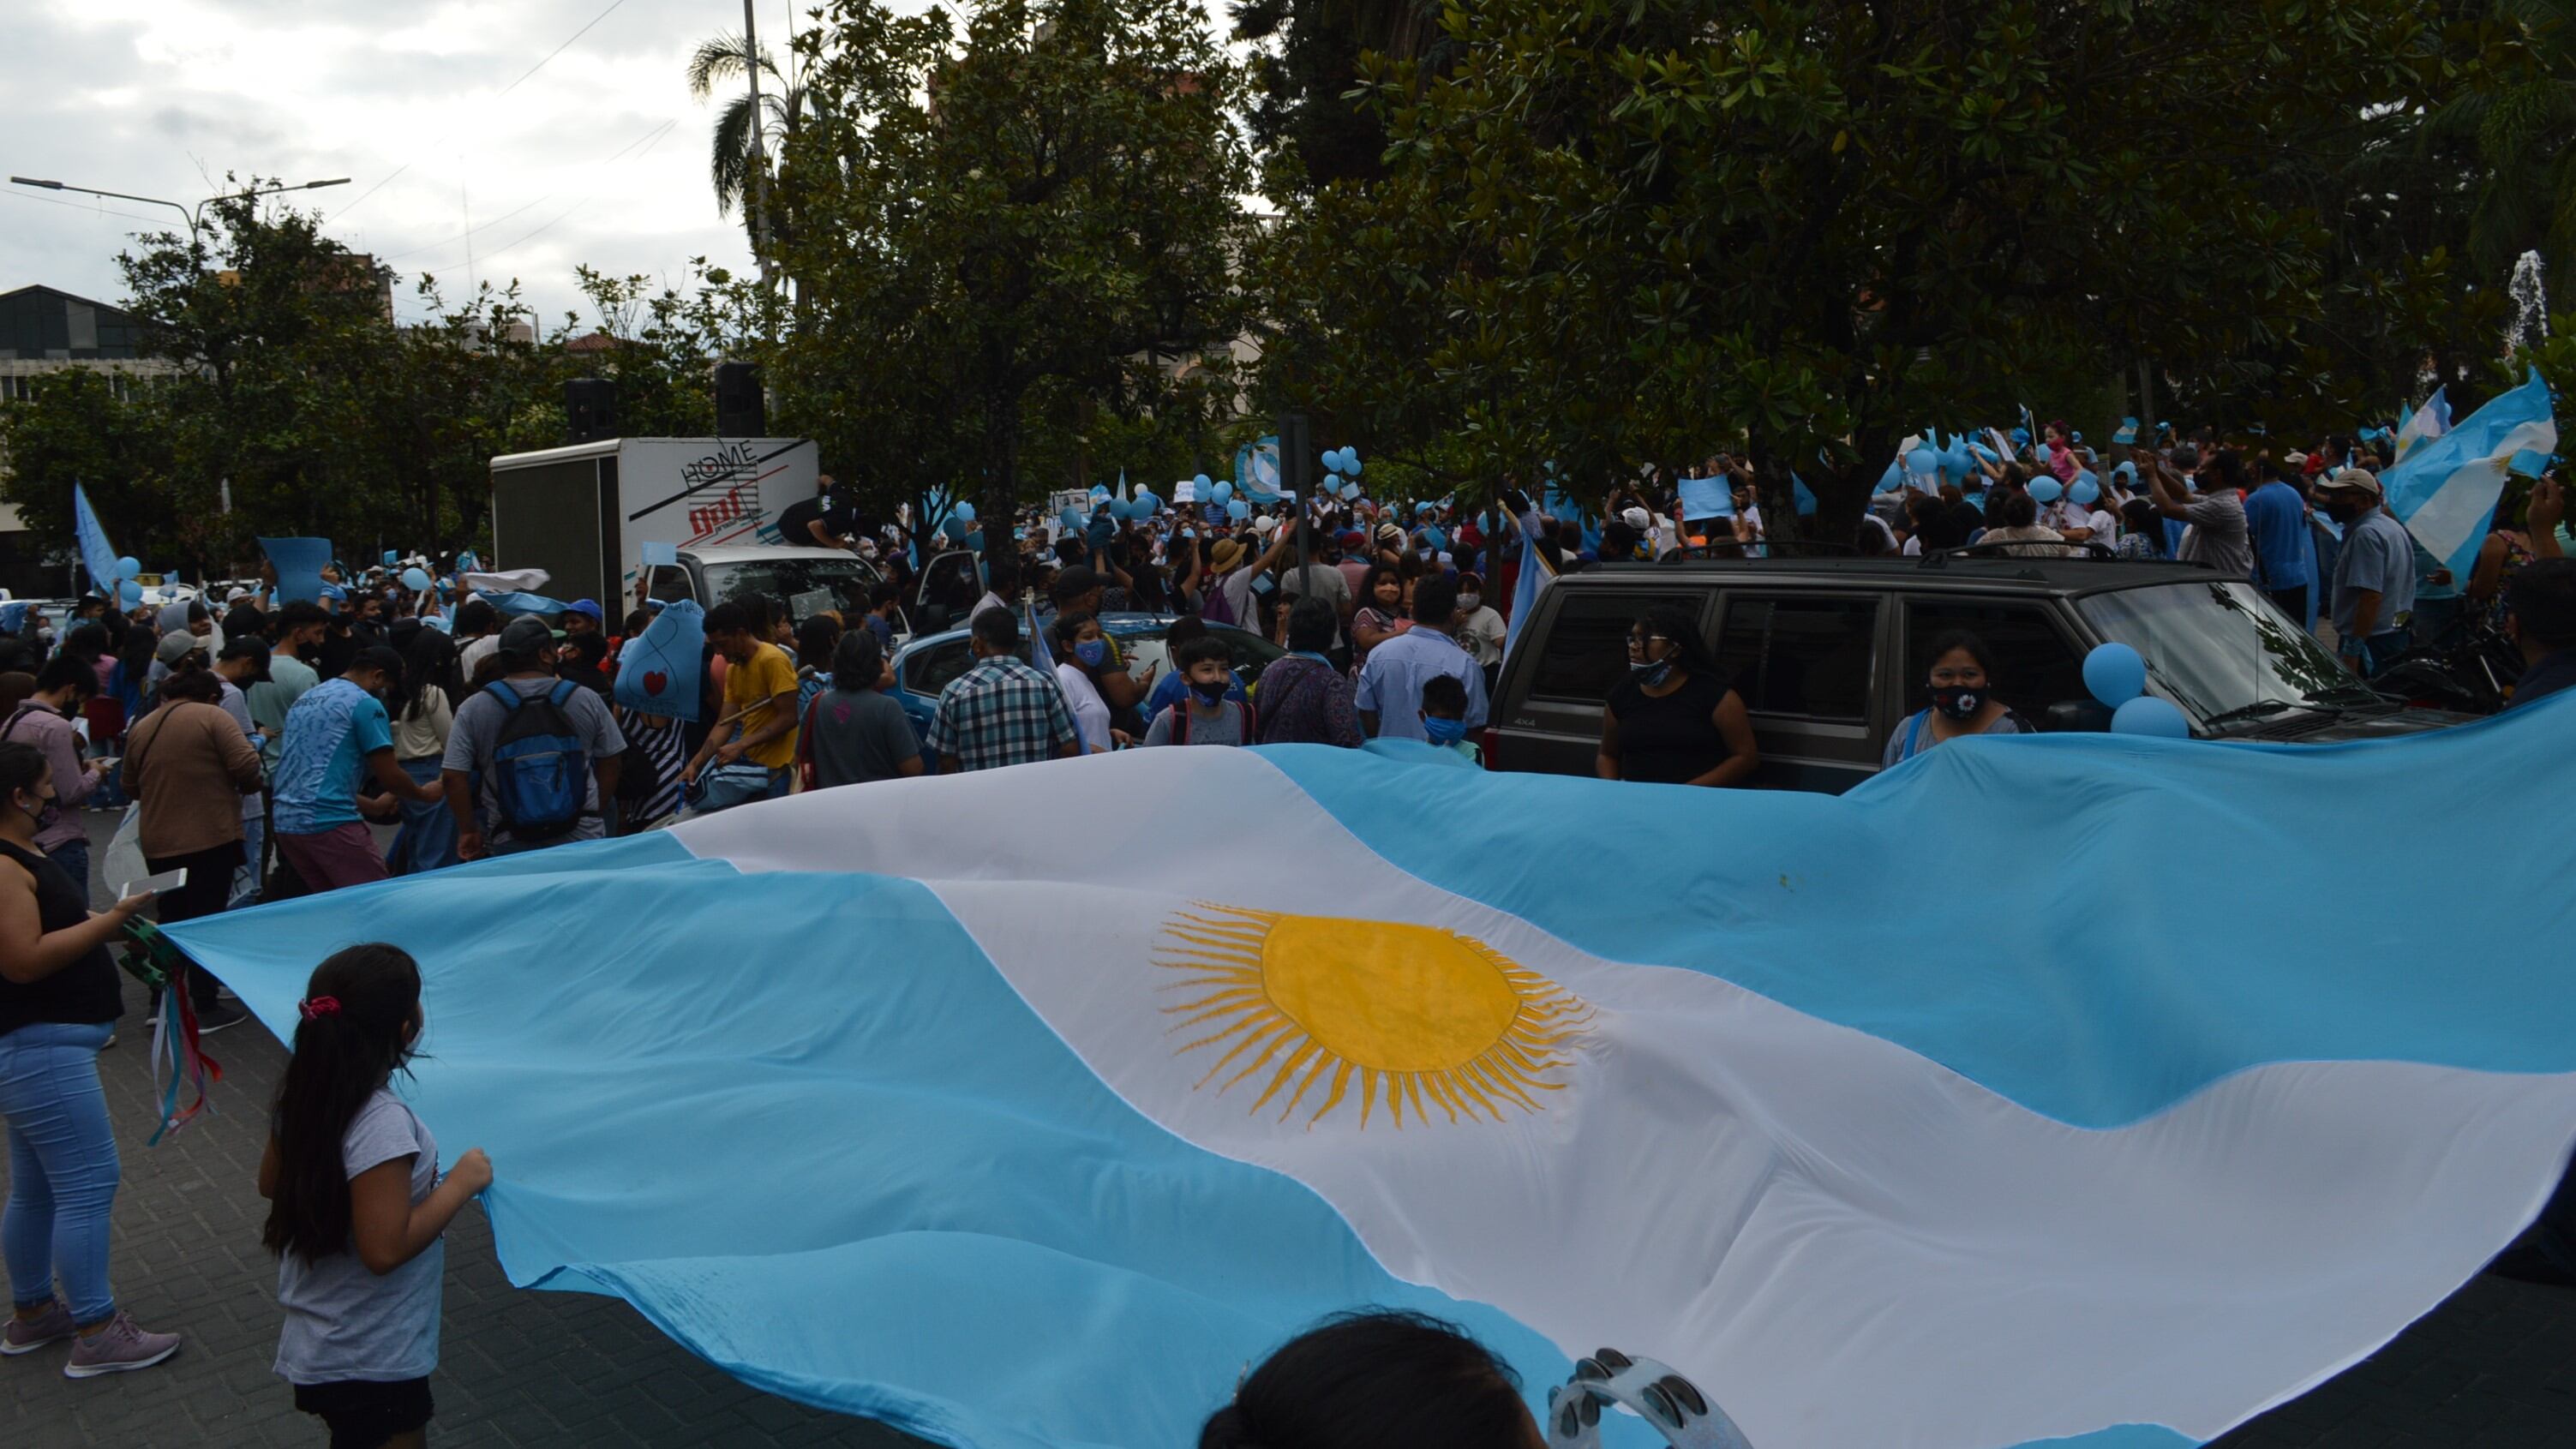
(262, 742)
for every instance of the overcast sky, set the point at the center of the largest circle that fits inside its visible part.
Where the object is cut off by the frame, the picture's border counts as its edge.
(599, 157)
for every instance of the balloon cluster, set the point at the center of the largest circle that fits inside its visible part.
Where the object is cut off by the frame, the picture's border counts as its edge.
(1344, 465)
(2117, 675)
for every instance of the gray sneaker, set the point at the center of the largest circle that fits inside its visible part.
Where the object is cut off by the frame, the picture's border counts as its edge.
(118, 1348)
(26, 1335)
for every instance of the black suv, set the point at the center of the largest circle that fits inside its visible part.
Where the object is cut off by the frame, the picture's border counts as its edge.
(1828, 654)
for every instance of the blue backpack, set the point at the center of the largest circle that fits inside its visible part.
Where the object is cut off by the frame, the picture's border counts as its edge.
(540, 772)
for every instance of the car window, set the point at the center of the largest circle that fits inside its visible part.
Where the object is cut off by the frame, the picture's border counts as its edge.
(932, 666)
(809, 586)
(1586, 650)
(2220, 646)
(2035, 666)
(1808, 657)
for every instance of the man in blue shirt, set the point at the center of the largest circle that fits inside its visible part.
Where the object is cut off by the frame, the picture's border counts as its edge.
(1390, 691)
(2276, 518)
(337, 735)
(2374, 583)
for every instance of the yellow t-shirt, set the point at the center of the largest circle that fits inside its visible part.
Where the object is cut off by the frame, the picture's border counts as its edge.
(767, 672)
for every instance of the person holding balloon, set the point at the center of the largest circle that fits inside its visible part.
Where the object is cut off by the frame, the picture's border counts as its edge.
(1962, 683)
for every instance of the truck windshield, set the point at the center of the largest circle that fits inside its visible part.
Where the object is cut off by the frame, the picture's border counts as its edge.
(2223, 650)
(809, 585)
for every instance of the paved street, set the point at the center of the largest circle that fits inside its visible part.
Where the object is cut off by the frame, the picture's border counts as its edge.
(2494, 1368)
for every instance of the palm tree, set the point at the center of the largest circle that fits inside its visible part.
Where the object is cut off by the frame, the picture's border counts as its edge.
(782, 105)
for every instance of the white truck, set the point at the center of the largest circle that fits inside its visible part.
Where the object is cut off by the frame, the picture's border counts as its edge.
(584, 513)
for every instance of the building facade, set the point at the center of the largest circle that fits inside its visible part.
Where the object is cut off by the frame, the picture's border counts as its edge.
(45, 331)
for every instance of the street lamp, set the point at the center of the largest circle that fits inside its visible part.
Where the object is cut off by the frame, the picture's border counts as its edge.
(195, 214)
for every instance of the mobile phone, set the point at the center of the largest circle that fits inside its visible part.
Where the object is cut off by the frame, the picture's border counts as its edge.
(168, 880)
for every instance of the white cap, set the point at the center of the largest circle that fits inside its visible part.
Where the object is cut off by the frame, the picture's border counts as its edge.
(1638, 519)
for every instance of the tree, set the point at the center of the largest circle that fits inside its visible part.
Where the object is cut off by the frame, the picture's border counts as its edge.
(1014, 222)
(2515, 113)
(1619, 234)
(84, 427)
(1304, 112)
(736, 145)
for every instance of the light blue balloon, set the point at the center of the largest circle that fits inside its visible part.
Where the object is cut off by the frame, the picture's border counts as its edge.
(2148, 715)
(129, 592)
(1350, 492)
(1202, 481)
(1892, 479)
(2115, 673)
(954, 527)
(415, 580)
(1071, 518)
(127, 567)
(975, 540)
(1148, 503)
(966, 511)
(1351, 461)
(2085, 490)
(1922, 460)
(1099, 491)
(1221, 492)
(2046, 490)
(1238, 510)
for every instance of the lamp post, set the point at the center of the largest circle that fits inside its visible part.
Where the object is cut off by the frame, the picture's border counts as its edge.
(195, 215)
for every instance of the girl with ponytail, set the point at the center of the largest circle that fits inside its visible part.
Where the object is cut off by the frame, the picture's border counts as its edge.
(357, 1208)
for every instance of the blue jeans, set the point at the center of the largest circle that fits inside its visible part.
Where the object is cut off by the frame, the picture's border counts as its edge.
(246, 877)
(62, 1166)
(73, 857)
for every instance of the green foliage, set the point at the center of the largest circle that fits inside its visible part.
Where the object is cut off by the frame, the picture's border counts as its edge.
(1622, 234)
(1021, 232)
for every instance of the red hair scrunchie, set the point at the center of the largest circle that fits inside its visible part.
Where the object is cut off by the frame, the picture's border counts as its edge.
(319, 1007)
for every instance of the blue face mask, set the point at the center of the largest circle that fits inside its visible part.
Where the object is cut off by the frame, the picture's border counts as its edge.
(1093, 652)
(1444, 731)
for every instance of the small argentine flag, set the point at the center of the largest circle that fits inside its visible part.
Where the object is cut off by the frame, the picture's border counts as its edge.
(2445, 490)
(2424, 424)
(998, 1108)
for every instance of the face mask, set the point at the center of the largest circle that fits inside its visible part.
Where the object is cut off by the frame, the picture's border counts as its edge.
(1093, 652)
(1471, 602)
(1209, 693)
(1652, 674)
(1959, 701)
(1444, 731)
(44, 807)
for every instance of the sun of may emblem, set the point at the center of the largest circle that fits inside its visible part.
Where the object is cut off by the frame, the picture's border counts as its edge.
(1416, 1013)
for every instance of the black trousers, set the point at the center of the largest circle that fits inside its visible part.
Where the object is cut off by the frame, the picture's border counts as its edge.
(208, 887)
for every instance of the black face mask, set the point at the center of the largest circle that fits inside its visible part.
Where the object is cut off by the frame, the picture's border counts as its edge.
(1959, 701)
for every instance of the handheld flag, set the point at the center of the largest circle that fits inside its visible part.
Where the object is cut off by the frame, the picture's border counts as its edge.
(2423, 425)
(1532, 576)
(659, 670)
(1707, 498)
(2446, 491)
(299, 563)
(96, 555)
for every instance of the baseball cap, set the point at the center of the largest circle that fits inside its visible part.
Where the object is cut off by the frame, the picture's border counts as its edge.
(177, 645)
(589, 607)
(2354, 480)
(250, 647)
(526, 634)
(1637, 518)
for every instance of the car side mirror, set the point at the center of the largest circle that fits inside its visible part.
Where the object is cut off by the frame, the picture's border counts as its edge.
(2070, 716)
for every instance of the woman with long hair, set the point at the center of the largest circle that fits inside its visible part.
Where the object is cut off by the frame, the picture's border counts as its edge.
(59, 1001)
(422, 707)
(357, 1210)
(1675, 720)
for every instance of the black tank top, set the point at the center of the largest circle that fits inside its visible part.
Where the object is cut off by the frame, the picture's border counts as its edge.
(83, 993)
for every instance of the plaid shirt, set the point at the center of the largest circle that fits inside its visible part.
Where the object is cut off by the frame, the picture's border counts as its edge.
(1001, 712)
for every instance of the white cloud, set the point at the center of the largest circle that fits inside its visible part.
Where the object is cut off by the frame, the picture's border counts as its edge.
(162, 97)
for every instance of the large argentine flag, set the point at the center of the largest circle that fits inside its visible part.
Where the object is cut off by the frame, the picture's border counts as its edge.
(1030, 1108)
(2445, 490)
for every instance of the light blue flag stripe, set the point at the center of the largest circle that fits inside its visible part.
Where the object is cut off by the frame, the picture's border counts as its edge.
(871, 1181)
(2445, 491)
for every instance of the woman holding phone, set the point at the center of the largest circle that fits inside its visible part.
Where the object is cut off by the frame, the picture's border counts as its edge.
(59, 1002)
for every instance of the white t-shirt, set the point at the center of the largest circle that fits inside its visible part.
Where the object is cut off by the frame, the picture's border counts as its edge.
(1482, 632)
(1752, 515)
(475, 653)
(990, 600)
(1090, 711)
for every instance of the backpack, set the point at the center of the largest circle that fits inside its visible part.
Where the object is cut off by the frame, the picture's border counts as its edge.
(1181, 721)
(540, 772)
(1214, 606)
